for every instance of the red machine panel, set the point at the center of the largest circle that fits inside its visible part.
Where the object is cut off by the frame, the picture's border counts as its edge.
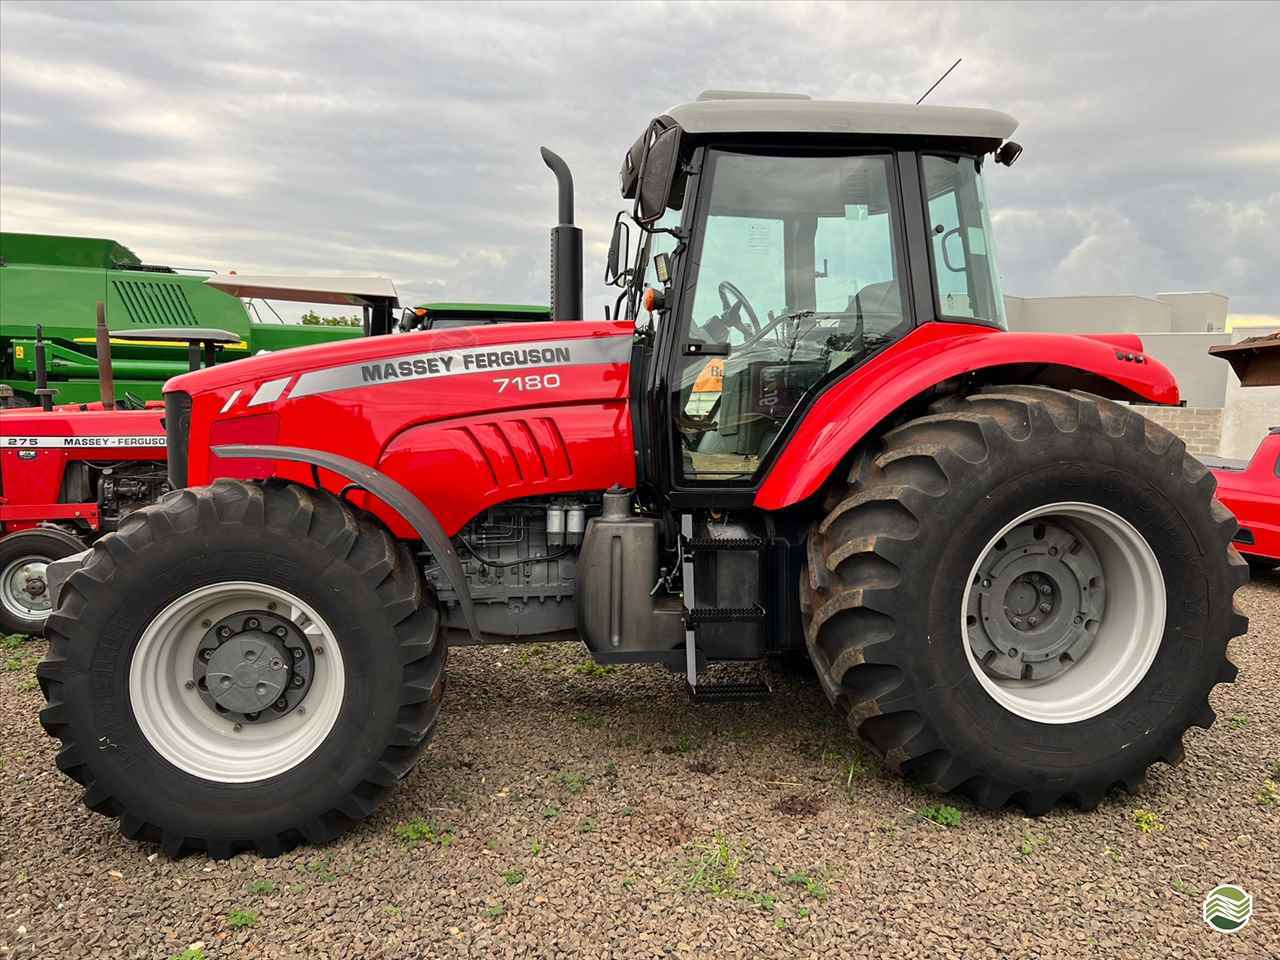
(1252, 492)
(929, 355)
(35, 448)
(464, 418)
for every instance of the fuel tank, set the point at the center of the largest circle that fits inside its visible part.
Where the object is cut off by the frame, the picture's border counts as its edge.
(464, 418)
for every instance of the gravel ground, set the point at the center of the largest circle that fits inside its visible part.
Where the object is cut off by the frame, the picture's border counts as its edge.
(563, 812)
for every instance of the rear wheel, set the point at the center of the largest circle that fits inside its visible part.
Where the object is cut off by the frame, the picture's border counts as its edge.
(24, 588)
(263, 663)
(1025, 595)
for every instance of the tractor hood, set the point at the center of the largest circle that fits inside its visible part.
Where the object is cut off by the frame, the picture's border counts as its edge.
(421, 355)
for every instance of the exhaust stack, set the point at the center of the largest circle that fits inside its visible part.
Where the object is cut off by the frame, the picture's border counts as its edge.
(566, 248)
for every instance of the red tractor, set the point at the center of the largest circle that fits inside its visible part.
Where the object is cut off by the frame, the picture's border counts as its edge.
(1010, 583)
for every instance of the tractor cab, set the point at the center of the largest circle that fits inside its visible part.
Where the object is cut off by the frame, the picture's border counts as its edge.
(779, 243)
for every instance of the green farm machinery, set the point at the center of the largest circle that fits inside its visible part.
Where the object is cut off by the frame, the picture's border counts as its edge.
(55, 283)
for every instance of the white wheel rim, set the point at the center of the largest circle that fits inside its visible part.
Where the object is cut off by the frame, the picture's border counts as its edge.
(15, 596)
(1129, 631)
(181, 726)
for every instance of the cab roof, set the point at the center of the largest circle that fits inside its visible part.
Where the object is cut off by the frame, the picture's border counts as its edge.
(732, 111)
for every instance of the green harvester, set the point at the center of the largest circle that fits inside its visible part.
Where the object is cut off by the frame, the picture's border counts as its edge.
(55, 283)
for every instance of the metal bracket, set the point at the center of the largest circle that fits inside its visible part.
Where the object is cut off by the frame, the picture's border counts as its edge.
(690, 601)
(393, 494)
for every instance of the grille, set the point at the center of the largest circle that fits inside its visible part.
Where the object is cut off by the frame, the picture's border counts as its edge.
(155, 303)
(177, 430)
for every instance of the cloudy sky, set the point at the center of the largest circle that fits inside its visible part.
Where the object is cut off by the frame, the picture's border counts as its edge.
(401, 139)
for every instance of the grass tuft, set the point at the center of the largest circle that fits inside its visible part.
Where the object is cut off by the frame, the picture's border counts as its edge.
(942, 815)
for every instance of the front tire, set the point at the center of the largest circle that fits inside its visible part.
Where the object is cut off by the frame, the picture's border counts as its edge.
(1025, 595)
(242, 667)
(24, 589)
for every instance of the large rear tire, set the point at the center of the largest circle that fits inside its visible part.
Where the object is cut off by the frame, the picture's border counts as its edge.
(242, 667)
(1024, 595)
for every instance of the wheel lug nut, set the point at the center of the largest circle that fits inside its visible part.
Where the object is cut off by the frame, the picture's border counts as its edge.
(1013, 651)
(987, 584)
(251, 623)
(1046, 607)
(1032, 621)
(281, 703)
(1079, 620)
(206, 654)
(297, 681)
(280, 631)
(1053, 551)
(1046, 589)
(297, 654)
(224, 632)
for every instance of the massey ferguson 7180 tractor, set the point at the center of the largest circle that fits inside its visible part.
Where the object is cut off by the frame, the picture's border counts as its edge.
(1011, 585)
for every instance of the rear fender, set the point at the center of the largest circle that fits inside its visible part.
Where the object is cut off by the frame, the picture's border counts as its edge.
(934, 353)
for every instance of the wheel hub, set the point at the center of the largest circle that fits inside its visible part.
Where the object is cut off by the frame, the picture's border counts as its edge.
(1036, 602)
(252, 666)
(24, 589)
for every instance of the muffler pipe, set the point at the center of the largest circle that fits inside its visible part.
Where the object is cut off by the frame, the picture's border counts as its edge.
(566, 247)
(106, 382)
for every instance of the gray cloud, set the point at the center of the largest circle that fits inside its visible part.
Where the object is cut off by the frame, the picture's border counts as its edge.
(402, 139)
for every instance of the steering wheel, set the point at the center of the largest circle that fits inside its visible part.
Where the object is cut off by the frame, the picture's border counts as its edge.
(732, 311)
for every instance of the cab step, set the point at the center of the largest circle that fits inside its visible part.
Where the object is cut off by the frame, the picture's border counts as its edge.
(724, 615)
(731, 683)
(726, 543)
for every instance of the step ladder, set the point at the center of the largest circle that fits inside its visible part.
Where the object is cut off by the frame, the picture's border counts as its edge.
(745, 682)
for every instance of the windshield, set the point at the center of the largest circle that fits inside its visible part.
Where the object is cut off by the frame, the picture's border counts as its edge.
(799, 272)
(964, 262)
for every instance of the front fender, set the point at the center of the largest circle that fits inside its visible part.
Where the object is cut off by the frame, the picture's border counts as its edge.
(936, 352)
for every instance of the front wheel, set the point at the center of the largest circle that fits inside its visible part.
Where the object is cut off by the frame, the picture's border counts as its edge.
(242, 667)
(24, 589)
(1025, 595)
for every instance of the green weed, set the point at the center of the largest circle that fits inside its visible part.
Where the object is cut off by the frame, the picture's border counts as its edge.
(550, 811)
(573, 782)
(1029, 844)
(241, 919)
(587, 825)
(191, 953)
(942, 815)
(715, 871)
(1269, 795)
(814, 886)
(416, 831)
(589, 668)
(494, 911)
(262, 887)
(1148, 821)
(513, 876)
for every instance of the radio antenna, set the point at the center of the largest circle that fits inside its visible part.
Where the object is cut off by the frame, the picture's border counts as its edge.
(939, 80)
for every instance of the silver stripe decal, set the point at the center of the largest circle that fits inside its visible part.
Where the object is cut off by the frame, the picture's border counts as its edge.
(231, 401)
(74, 443)
(269, 392)
(497, 359)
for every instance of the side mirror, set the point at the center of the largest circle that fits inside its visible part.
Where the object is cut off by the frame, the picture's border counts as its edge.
(1009, 151)
(656, 175)
(615, 264)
